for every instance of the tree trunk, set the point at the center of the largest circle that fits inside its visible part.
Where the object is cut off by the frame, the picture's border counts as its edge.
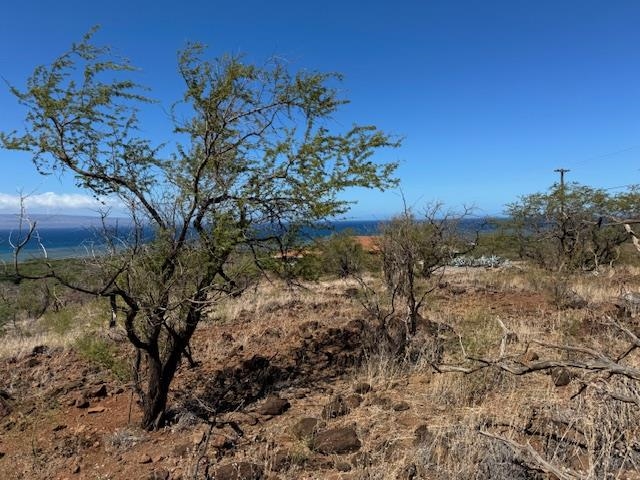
(114, 311)
(154, 403)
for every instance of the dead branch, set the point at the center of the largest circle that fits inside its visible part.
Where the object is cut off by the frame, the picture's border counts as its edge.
(540, 462)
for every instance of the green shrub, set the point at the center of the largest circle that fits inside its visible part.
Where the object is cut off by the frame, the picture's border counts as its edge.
(341, 254)
(103, 353)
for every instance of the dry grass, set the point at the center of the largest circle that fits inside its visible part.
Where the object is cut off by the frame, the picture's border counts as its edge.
(438, 434)
(55, 329)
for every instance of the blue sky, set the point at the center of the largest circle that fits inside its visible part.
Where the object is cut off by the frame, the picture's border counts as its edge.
(490, 96)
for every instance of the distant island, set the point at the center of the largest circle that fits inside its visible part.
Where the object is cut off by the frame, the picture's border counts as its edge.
(10, 221)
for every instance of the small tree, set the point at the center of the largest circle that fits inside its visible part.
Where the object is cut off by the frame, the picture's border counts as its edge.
(253, 156)
(570, 227)
(415, 253)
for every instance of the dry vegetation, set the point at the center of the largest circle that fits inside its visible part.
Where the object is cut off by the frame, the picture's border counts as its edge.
(460, 404)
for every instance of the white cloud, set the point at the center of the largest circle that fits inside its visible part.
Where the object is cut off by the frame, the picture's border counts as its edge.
(50, 201)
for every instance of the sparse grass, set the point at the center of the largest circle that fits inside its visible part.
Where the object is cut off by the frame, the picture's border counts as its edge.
(123, 439)
(437, 437)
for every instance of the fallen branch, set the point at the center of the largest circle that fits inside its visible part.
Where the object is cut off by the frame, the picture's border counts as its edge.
(542, 464)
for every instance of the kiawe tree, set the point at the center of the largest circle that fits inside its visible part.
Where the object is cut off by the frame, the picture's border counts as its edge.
(572, 227)
(252, 156)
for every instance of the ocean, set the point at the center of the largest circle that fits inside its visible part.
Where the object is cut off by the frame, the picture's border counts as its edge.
(79, 241)
(67, 241)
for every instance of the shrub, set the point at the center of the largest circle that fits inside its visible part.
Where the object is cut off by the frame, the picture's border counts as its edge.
(341, 254)
(103, 354)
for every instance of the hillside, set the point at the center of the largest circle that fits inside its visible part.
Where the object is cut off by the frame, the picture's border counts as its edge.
(294, 384)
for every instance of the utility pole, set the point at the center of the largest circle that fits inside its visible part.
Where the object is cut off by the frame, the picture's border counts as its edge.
(562, 171)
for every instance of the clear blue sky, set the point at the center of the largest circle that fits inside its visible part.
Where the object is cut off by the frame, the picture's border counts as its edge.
(490, 96)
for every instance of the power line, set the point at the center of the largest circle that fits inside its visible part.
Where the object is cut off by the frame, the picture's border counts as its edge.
(604, 155)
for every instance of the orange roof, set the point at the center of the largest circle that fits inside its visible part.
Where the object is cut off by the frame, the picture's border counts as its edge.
(369, 243)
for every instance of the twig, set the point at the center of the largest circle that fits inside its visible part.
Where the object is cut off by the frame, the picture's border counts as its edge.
(560, 472)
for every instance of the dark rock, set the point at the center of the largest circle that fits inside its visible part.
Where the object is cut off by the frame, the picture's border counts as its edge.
(401, 406)
(561, 376)
(336, 407)
(160, 474)
(32, 362)
(5, 408)
(98, 392)
(39, 350)
(362, 387)
(337, 440)
(81, 402)
(274, 405)
(305, 428)
(238, 471)
(410, 472)
(422, 435)
(284, 458)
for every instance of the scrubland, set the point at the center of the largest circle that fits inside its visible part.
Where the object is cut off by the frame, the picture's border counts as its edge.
(514, 373)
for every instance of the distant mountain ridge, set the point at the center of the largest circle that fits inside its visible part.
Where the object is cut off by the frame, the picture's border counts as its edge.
(10, 221)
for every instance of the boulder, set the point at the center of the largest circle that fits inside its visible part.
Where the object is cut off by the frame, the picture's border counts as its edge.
(98, 392)
(337, 440)
(401, 406)
(561, 376)
(160, 474)
(274, 405)
(238, 471)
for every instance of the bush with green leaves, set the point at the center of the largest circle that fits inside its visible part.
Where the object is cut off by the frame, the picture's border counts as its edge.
(572, 227)
(341, 254)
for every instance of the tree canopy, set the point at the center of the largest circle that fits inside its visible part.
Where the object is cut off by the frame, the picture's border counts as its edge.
(253, 156)
(572, 226)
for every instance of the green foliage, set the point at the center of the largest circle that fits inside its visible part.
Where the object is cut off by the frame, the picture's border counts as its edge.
(103, 354)
(502, 241)
(252, 158)
(341, 254)
(572, 227)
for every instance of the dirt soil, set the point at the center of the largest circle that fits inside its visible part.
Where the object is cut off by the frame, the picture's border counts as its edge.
(288, 392)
